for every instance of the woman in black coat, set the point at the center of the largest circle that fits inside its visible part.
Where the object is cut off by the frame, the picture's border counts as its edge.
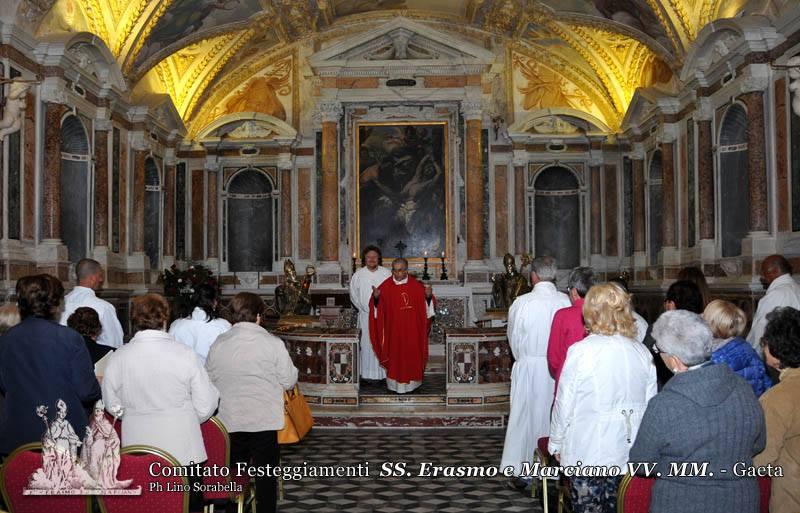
(40, 363)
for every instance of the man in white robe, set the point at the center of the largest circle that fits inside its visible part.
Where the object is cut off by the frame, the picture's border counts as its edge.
(363, 282)
(529, 320)
(782, 290)
(90, 277)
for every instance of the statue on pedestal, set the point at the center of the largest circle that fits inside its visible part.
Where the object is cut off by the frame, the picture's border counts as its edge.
(508, 284)
(293, 297)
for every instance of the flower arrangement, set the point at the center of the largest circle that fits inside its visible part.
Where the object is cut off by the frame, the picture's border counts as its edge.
(181, 283)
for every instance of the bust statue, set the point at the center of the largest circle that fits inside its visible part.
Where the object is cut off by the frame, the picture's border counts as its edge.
(508, 284)
(292, 297)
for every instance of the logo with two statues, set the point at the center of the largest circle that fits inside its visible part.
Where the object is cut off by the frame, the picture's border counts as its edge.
(94, 472)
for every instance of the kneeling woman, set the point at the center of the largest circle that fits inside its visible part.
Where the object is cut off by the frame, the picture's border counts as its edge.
(605, 384)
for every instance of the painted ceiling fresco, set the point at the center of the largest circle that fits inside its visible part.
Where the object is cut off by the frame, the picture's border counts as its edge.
(588, 55)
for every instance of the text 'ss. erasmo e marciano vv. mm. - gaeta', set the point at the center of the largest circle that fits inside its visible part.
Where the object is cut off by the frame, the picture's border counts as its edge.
(432, 470)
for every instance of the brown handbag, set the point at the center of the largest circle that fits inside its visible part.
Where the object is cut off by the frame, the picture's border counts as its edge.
(297, 415)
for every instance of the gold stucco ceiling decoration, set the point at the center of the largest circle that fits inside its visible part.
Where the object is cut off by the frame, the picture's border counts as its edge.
(201, 50)
(271, 80)
(187, 72)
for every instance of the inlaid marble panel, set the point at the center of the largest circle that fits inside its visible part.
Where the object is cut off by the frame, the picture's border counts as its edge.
(450, 313)
(310, 359)
(463, 358)
(494, 361)
(342, 359)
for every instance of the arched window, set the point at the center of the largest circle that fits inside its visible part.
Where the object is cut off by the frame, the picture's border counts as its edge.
(655, 208)
(152, 211)
(556, 216)
(250, 217)
(734, 204)
(74, 188)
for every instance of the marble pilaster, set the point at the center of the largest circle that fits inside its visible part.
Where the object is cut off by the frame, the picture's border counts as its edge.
(169, 209)
(330, 192)
(756, 160)
(475, 185)
(212, 215)
(101, 188)
(137, 202)
(304, 213)
(610, 207)
(286, 212)
(501, 210)
(639, 243)
(29, 176)
(519, 209)
(668, 191)
(51, 177)
(705, 177)
(595, 209)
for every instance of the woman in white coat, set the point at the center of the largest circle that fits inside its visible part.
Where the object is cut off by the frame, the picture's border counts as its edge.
(204, 325)
(163, 389)
(605, 385)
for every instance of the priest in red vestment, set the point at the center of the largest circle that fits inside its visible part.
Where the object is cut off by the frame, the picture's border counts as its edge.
(400, 315)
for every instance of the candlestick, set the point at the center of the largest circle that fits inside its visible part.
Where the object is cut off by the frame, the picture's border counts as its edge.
(354, 263)
(443, 277)
(425, 275)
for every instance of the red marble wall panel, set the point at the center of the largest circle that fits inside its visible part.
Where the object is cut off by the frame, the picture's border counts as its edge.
(501, 210)
(611, 201)
(286, 212)
(29, 171)
(198, 220)
(304, 213)
(782, 158)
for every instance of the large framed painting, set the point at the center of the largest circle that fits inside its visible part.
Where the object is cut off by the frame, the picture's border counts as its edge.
(402, 188)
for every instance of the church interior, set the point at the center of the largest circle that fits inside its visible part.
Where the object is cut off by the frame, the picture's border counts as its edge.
(267, 142)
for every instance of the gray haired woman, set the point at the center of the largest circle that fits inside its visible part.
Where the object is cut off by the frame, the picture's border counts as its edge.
(705, 414)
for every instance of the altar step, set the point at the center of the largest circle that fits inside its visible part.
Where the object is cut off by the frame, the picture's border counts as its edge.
(426, 407)
(413, 417)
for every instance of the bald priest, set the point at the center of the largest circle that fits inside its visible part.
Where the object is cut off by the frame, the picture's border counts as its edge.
(401, 309)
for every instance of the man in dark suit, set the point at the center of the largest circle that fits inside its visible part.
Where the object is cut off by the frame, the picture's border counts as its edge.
(40, 363)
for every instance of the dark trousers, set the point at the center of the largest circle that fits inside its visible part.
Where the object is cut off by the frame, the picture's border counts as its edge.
(259, 449)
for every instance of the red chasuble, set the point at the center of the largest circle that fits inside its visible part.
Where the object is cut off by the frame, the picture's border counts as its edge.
(399, 331)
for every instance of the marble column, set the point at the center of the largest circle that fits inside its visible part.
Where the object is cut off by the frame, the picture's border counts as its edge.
(169, 207)
(668, 191)
(519, 209)
(705, 178)
(137, 202)
(596, 210)
(756, 160)
(212, 215)
(639, 242)
(330, 183)
(51, 175)
(475, 183)
(101, 183)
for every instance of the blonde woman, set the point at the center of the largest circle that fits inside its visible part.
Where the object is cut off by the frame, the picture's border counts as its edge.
(605, 385)
(727, 322)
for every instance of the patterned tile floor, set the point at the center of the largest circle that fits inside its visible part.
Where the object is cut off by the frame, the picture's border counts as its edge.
(415, 494)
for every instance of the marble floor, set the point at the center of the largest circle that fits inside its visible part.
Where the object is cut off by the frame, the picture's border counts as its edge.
(414, 493)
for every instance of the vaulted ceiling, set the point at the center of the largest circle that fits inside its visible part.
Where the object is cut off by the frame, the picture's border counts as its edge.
(198, 49)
